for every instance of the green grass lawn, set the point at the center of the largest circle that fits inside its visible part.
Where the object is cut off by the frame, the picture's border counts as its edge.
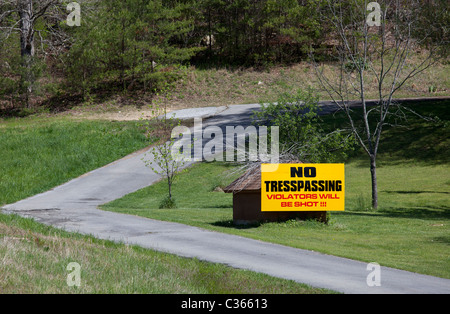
(38, 154)
(34, 259)
(410, 230)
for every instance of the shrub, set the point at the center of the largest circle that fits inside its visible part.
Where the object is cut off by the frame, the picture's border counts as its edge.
(301, 134)
(168, 203)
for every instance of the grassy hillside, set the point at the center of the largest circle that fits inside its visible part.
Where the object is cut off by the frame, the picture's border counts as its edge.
(220, 86)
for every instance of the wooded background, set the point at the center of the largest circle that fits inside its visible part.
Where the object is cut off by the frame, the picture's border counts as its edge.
(129, 45)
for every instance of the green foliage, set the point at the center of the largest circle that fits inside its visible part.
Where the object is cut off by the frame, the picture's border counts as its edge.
(356, 65)
(168, 203)
(301, 132)
(130, 45)
(18, 75)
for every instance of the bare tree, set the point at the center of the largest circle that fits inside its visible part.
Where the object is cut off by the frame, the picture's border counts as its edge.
(377, 43)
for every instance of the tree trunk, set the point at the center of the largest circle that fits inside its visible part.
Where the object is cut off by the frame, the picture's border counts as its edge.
(122, 57)
(373, 172)
(27, 46)
(170, 189)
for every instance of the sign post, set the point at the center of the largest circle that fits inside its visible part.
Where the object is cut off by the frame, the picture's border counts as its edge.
(302, 187)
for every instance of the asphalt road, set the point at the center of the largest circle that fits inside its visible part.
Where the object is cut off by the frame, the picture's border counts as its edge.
(73, 207)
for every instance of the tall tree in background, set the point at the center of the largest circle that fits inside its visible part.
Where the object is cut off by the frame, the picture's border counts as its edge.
(378, 43)
(21, 17)
(25, 20)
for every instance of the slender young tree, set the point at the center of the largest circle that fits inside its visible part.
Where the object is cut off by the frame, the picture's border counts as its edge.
(163, 158)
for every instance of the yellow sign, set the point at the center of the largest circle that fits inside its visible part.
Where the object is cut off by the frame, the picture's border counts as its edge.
(302, 187)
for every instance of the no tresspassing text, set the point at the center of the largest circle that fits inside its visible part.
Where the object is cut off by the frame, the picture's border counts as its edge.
(303, 186)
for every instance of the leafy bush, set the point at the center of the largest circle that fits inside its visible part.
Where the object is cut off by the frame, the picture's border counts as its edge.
(354, 65)
(168, 203)
(301, 134)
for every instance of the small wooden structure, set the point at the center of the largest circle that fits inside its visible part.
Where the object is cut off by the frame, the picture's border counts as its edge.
(247, 203)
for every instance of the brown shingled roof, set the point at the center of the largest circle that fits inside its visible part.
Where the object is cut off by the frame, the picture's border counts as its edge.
(250, 181)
